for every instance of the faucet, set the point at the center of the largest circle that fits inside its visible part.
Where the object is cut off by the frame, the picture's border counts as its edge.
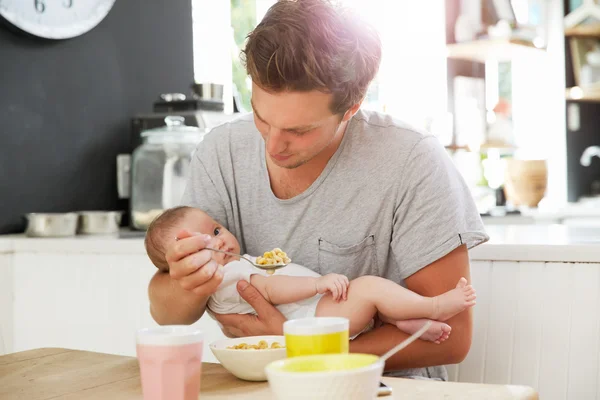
(588, 154)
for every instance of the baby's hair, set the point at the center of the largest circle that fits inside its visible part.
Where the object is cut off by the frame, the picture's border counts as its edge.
(155, 236)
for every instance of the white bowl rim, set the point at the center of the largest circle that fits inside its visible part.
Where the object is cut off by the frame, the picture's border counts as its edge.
(270, 367)
(249, 339)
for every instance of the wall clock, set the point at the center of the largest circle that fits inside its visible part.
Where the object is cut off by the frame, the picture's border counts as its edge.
(55, 19)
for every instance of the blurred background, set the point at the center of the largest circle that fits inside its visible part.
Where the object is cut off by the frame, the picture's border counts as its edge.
(107, 120)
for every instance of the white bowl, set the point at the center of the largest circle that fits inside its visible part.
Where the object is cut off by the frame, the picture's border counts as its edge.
(248, 364)
(331, 377)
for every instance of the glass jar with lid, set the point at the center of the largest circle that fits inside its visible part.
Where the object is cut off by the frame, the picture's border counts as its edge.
(159, 169)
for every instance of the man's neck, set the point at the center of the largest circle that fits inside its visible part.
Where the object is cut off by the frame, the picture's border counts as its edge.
(287, 183)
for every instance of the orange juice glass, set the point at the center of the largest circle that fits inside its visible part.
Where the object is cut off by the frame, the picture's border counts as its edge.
(316, 335)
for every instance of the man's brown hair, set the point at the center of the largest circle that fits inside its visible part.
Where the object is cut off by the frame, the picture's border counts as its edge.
(304, 45)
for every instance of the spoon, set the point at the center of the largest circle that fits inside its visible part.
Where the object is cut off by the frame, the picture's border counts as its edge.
(402, 345)
(406, 341)
(269, 268)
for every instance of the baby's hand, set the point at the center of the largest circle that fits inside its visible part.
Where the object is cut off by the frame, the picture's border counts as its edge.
(334, 283)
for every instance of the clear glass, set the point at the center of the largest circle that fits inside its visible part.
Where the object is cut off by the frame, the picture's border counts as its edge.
(160, 167)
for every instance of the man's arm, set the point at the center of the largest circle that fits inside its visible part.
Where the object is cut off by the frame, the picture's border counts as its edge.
(435, 279)
(170, 304)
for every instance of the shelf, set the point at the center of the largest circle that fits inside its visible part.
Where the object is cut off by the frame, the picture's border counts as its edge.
(584, 30)
(454, 147)
(582, 94)
(501, 50)
(501, 147)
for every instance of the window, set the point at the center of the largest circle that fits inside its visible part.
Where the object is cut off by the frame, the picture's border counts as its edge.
(411, 84)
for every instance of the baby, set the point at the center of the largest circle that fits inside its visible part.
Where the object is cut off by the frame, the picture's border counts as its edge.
(300, 292)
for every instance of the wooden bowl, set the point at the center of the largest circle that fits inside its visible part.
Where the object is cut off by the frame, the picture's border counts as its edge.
(525, 181)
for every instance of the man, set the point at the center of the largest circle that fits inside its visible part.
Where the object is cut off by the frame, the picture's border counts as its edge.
(339, 189)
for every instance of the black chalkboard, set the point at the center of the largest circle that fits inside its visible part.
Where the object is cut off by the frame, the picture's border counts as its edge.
(66, 106)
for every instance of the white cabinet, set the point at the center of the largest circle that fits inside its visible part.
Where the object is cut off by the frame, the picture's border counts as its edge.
(6, 303)
(83, 301)
(536, 324)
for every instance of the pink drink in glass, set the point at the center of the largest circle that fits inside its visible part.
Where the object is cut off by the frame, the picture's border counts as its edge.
(170, 359)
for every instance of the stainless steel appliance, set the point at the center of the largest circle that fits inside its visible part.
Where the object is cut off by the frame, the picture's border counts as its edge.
(99, 222)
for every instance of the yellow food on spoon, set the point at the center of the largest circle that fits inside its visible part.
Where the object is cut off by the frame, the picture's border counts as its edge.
(273, 257)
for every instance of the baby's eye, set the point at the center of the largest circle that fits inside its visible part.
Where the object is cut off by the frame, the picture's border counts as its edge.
(217, 231)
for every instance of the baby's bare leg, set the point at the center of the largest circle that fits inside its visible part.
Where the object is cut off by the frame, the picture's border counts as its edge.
(358, 308)
(368, 295)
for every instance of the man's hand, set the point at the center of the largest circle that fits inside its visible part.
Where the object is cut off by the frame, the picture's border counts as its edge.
(269, 320)
(336, 284)
(180, 295)
(191, 266)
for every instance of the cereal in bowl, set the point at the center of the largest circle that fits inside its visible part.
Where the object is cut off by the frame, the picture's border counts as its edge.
(262, 345)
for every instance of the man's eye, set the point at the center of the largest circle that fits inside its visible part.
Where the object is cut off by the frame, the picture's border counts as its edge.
(300, 133)
(217, 231)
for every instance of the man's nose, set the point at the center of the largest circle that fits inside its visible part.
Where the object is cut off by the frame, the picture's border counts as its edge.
(276, 141)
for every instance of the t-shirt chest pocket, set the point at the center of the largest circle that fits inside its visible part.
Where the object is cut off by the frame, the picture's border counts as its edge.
(353, 261)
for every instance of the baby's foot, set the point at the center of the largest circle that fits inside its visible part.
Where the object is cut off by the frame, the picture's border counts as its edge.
(437, 332)
(454, 301)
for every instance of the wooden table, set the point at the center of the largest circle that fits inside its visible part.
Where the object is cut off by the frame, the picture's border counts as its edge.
(64, 374)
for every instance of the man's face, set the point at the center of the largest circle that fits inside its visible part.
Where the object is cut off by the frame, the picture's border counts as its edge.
(296, 126)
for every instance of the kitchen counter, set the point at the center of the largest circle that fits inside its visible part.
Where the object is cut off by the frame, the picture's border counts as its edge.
(535, 242)
(586, 212)
(549, 243)
(81, 244)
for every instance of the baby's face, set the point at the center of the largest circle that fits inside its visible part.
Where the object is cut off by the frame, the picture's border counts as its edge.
(222, 239)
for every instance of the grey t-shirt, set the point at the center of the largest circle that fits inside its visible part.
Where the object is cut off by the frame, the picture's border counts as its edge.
(389, 202)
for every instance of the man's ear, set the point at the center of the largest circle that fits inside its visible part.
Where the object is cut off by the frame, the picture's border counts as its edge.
(351, 111)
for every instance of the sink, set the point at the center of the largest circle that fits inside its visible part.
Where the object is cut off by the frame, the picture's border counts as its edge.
(591, 201)
(586, 241)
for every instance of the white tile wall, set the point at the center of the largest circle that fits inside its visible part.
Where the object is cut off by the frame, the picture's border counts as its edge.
(536, 324)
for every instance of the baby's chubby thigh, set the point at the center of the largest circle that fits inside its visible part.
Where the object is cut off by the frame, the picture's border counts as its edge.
(359, 308)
